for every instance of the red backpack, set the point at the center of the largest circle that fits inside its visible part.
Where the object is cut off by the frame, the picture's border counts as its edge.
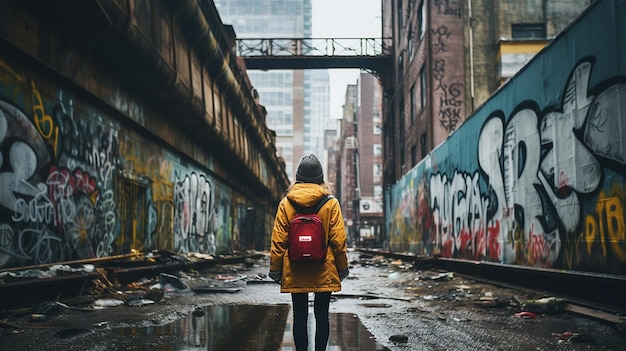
(307, 239)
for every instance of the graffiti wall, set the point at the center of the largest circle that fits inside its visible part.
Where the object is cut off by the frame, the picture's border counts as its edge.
(537, 176)
(77, 182)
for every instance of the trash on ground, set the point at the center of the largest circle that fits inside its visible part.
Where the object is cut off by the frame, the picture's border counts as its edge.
(526, 315)
(444, 276)
(544, 305)
(139, 302)
(108, 303)
(170, 282)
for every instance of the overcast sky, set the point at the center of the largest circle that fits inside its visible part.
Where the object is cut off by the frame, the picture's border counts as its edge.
(345, 19)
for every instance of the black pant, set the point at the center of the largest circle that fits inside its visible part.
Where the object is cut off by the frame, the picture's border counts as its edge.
(300, 317)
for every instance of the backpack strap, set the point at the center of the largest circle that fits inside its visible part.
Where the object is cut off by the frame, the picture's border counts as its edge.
(309, 210)
(321, 203)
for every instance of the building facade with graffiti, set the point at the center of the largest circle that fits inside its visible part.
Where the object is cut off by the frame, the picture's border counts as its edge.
(128, 125)
(537, 175)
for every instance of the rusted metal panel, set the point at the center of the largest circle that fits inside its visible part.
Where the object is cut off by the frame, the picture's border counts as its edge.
(182, 49)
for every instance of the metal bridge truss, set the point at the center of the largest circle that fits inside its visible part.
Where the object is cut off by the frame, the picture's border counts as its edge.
(315, 53)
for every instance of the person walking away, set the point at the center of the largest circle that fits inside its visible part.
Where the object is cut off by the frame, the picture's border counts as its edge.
(301, 278)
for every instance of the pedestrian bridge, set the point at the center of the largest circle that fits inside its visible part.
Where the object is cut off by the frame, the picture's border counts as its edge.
(315, 53)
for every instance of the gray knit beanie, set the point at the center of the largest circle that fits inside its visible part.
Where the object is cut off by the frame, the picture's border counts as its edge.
(310, 170)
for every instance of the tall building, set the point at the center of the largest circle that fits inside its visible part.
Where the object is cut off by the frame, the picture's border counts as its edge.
(295, 100)
(318, 123)
(361, 161)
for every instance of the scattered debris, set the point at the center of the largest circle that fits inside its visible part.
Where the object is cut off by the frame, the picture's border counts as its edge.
(155, 294)
(547, 305)
(139, 302)
(456, 319)
(170, 282)
(101, 324)
(443, 276)
(491, 301)
(51, 308)
(526, 315)
(37, 317)
(108, 303)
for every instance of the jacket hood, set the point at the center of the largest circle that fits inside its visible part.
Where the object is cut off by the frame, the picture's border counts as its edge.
(307, 194)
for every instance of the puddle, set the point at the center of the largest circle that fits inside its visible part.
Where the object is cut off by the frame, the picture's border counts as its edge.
(244, 327)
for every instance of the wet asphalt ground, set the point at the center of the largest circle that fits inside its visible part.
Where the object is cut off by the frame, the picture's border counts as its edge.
(384, 305)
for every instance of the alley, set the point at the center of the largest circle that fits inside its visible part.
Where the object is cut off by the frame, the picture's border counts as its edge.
(385, 305)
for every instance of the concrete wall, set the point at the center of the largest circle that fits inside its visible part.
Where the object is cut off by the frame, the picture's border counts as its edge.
(93, 163)
(537, 175)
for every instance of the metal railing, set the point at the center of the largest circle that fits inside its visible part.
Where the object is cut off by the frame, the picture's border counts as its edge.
(357, 47)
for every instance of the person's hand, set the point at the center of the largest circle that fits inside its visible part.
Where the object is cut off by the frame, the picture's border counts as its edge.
(276, 276)
(343, 274)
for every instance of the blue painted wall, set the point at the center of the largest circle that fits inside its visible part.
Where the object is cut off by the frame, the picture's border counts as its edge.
(536, 176)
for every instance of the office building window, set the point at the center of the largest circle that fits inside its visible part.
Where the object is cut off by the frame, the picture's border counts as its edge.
(377, 123)
(378, 149)
(378, 170)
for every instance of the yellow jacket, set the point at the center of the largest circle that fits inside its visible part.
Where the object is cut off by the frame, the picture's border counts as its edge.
(309, 277)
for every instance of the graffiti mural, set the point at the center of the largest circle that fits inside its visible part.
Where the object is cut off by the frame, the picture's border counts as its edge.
(75, 184)
(549, 188)
(543, 182)
(52, 213)
(194, 212)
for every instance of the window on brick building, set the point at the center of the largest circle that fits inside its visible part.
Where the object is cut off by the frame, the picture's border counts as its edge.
(378, 149)
(525, 31)
(377, 124)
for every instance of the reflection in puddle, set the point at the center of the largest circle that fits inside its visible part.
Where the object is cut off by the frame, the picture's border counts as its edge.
(248, 327)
